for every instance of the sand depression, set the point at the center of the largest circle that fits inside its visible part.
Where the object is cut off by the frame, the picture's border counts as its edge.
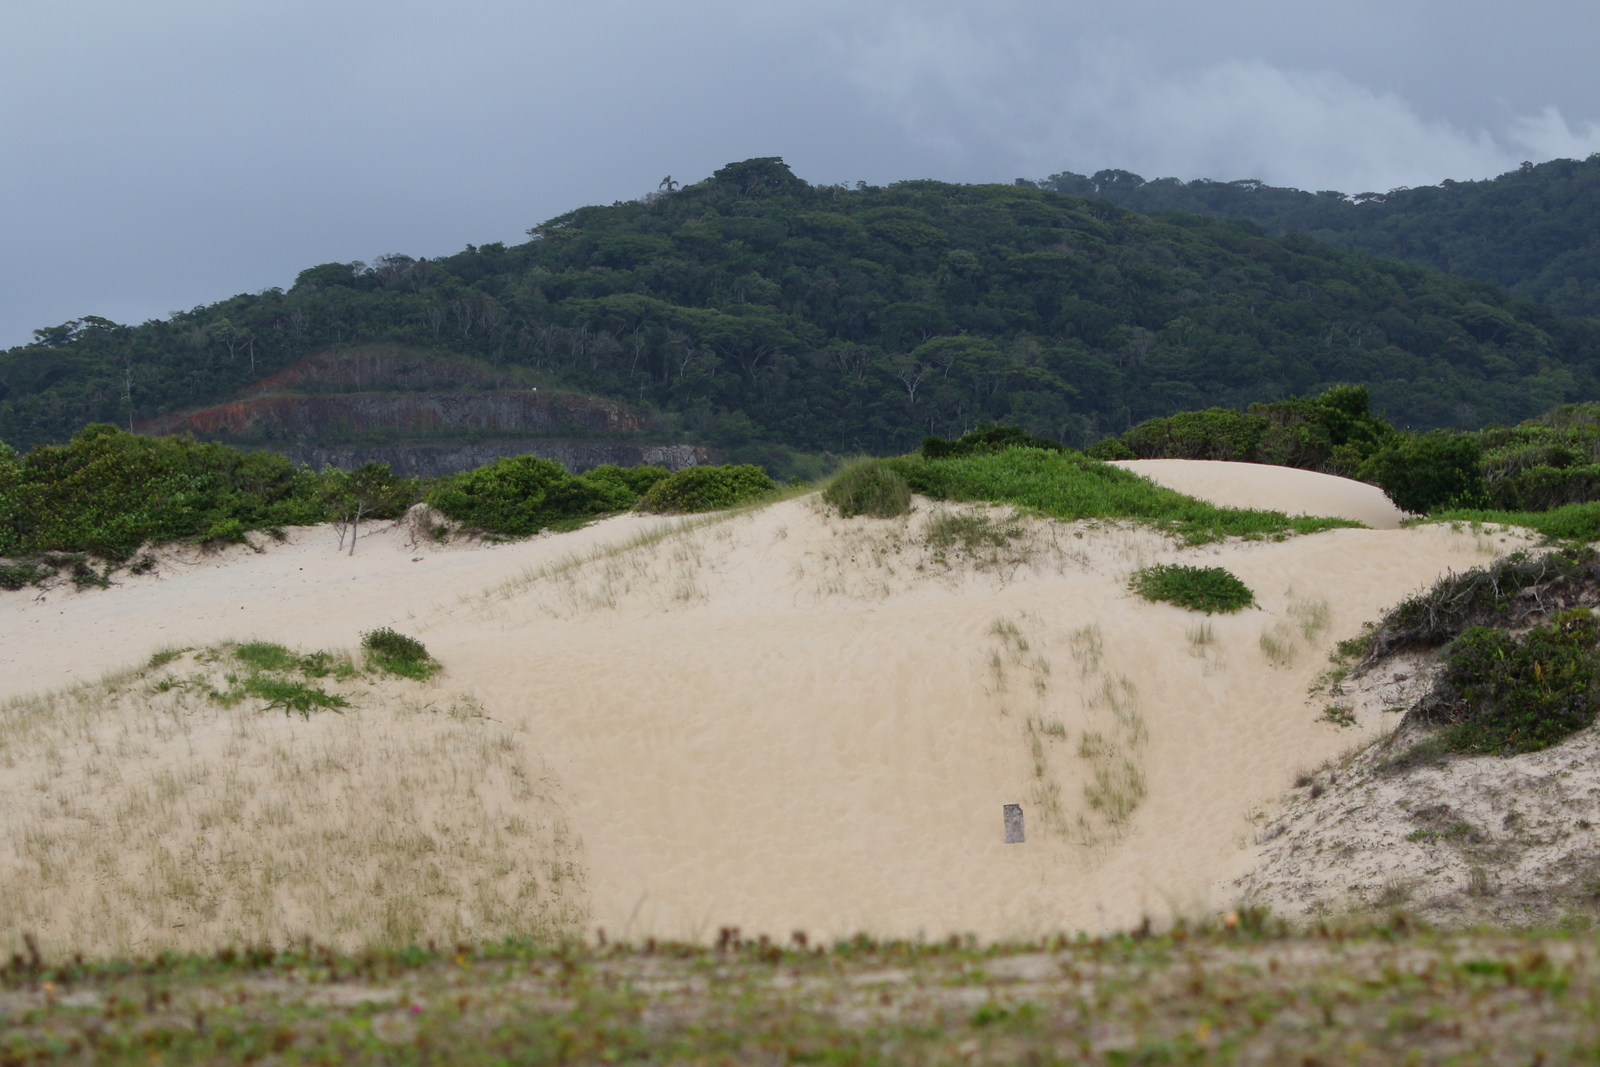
(777, 720)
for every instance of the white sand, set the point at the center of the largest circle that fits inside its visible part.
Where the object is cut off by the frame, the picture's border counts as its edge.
(1260, 485)
(784, 721)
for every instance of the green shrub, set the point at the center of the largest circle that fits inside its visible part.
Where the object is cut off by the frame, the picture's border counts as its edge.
(623, 486)
(1207, 589)
(1069, 485)
(1542, 487)
(398, 654)
(1333, 432)
(1509, 693)
(707, 489)
(519, 496)
(106, 492)
(986, 438)
(869, 487)
(1436, 470)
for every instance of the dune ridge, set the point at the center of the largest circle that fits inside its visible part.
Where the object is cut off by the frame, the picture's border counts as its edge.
(781, 720)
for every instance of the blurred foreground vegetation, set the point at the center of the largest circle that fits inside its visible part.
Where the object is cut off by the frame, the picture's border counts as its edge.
(1238, 990)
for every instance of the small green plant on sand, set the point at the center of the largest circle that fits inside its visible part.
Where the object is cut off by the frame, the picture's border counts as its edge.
(1207, 589)
(870, 487)
(292, 696)
(398, 654)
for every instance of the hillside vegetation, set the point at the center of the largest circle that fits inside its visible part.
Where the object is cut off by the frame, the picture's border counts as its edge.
(107, 493)
(758, 313)
(1534, 232)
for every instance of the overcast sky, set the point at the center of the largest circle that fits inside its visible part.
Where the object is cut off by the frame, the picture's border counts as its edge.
(169, 153)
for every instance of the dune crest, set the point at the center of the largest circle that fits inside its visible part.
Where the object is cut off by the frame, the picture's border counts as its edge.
(1261, 485)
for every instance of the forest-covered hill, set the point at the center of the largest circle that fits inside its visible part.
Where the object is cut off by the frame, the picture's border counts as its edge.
(756, 312)
(1534, 232)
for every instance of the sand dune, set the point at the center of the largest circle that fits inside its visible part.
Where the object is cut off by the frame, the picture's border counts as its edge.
(783, 720)
(1260, 485)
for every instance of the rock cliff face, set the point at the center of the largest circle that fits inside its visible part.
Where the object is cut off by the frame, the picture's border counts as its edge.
(437, 460)
(330, 417)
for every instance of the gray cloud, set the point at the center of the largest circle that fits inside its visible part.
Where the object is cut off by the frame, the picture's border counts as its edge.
(173, 152)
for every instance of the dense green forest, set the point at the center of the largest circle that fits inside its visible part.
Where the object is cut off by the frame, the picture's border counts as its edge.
(755, 311)
(1534, 232)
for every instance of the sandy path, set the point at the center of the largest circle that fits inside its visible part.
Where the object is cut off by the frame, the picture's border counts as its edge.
(788, 721)
(1260, 485)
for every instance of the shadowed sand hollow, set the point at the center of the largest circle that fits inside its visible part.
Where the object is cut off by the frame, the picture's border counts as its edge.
(776, 720)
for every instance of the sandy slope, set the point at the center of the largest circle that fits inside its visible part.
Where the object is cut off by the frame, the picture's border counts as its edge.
(1259, 485)
(784, 720)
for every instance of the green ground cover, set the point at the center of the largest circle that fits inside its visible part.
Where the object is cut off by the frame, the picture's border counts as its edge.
(1070, 486)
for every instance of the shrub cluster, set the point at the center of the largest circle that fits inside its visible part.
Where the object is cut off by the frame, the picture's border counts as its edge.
(106, 492)
(1508, 593)
(521, 495)
(1520, 655)
(707, 489)
(1207, 589)
(869, 487)
(1334, 433)
(1504, 692)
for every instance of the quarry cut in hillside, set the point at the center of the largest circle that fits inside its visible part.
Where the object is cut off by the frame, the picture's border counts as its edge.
(774, 720)
(423, 414)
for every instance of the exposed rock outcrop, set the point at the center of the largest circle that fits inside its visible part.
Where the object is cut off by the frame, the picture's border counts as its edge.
(331, 416)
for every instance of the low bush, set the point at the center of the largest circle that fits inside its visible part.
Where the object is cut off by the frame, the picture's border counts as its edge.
(396, 653)
(707, 489)
(623, 486)
(1069, 485)
(107, 491)
(1207, 589)
(519, 496)
(869, 487)
(1333, 432)
(1508, 593)
(1505, 693)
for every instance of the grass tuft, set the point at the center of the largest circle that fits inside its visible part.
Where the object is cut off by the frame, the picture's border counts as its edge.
(869, 487)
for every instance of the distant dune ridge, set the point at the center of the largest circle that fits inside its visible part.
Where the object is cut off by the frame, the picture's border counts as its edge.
(777, 720)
